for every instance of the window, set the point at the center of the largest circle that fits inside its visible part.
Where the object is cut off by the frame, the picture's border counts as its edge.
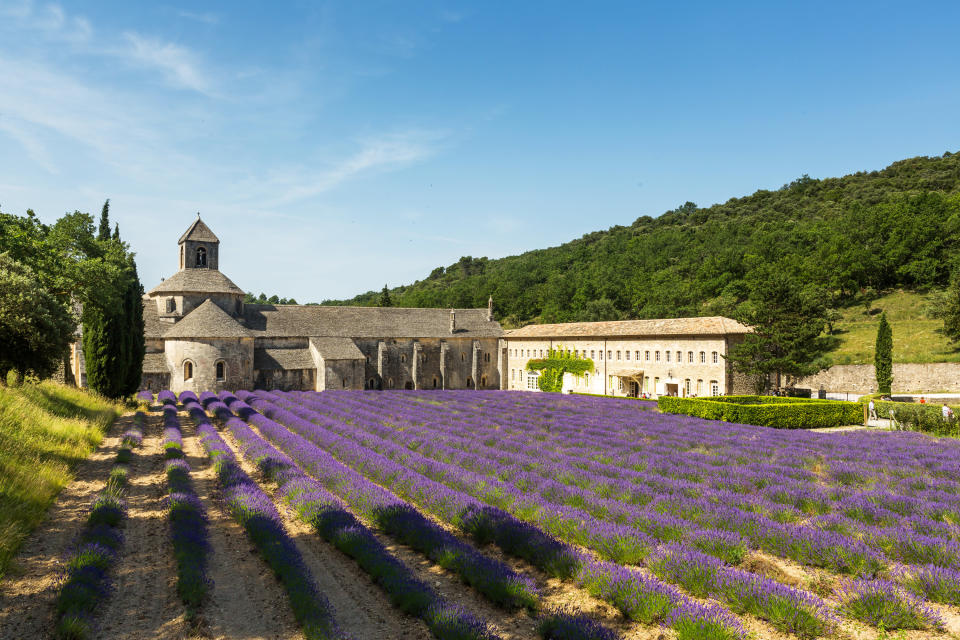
(201, 257)
(679, 357)
(656, 385)
(715, 358)
(541, 353)
(434, 382)
(586, 379)
(187, 370)
(690, 357)
(609, 355)
(483, 382)
(667, 353)
(372, 384)
(486, 357)
(618, 355)
(390, 383)
(656, 356)
(221, 370)
(636, 356)
(646, 356)
(714, 388)
(703, 357)
(686, 386)
(627, 354)
(592, 355)
(532, 377)
(462, 357)
(403, 357)
(171, 305)
(699, 387)
(610, 382)
(513, 374)
(601, 355)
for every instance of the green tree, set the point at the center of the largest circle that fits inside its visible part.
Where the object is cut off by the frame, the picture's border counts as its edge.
(947, 307)
(384, 299)
(103, 231)
(788, 321)
(136, 343)
(883, 355)
(35, 327)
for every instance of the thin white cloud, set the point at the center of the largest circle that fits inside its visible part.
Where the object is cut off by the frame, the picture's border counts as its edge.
(389, 152)
(34, 148)
(177, 63)
(206, 18)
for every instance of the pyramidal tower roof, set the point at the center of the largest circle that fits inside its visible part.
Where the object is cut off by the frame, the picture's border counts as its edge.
(207, 321)
(198, 232)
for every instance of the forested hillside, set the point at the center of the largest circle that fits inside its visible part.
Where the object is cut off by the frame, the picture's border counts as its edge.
(843, 238)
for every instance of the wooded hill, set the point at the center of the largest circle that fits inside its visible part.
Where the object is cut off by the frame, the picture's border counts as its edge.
(843, 238)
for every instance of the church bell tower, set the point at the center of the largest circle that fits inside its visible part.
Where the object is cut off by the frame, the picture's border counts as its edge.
(199, 247)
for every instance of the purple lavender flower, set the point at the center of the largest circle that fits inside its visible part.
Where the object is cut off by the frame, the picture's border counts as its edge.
(879, 602)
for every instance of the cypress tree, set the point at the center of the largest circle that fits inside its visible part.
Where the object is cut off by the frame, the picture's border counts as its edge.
(136, 345)
(385, 300)
(883, 355)
(103, 231)
(116, 231)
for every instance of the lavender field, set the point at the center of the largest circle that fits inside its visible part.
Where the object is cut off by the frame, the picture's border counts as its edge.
(711, 530)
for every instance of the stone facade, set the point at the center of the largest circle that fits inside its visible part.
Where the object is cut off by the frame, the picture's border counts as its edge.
(681, 357)
(861, 378)
(201, 336)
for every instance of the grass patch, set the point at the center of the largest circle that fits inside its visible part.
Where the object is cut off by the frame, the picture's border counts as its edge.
(45, 430)
(916, 335)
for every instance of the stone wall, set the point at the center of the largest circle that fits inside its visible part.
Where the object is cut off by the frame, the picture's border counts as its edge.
(395, 371)
(284, 379)
(236, 354)
(860, 378)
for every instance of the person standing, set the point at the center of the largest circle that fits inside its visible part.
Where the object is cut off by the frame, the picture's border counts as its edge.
(873, 410)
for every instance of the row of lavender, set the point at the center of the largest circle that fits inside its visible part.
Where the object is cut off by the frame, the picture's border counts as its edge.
(609, 538)
(637, 594)
(668, 508)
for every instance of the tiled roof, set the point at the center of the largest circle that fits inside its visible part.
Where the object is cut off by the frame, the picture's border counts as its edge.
(152, 327)
(155, 363)
(336, 348)
(197, 281)
(710, 326)
(283, 359)
(366, 322)
(207, 321)
(198, 232)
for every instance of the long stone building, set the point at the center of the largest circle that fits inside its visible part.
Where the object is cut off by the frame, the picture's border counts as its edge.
(200, 335)
(677, 357)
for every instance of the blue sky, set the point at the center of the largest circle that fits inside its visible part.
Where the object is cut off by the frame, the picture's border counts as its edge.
(335, 147)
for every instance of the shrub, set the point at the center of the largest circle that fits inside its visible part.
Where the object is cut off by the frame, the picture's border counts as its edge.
(782, 413)
(918, 417)
(878, 602)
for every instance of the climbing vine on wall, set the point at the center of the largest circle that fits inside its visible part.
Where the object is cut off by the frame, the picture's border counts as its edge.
(557, 363)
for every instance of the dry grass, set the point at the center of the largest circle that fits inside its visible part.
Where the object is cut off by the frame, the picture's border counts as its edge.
(916, 336)
(45, 430)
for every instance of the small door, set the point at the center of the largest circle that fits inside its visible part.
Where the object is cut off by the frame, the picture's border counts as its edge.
(672, 389)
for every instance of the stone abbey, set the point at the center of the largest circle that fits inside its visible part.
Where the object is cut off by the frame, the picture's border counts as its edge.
(200, 335)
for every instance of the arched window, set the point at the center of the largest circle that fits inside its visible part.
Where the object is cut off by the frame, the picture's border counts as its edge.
(390, 383)
(171, 305)
(715, 359)
(462, 357)
(703, 357)
(187, 370)
(690, 357)
(201, 257)
(408, 385)
(469, 383)
(403, 357)
(372, 384)
(221, 370)
(483, 382)
(434, 382)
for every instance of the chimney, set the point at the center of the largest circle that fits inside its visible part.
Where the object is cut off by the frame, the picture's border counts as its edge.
(490, 309)
(453, 321)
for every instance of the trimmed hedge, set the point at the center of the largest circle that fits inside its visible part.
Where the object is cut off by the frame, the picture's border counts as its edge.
(781, 413)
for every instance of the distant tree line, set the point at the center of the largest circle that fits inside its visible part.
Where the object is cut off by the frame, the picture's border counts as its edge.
(842, 238)
(54, 278)
(263, 299)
